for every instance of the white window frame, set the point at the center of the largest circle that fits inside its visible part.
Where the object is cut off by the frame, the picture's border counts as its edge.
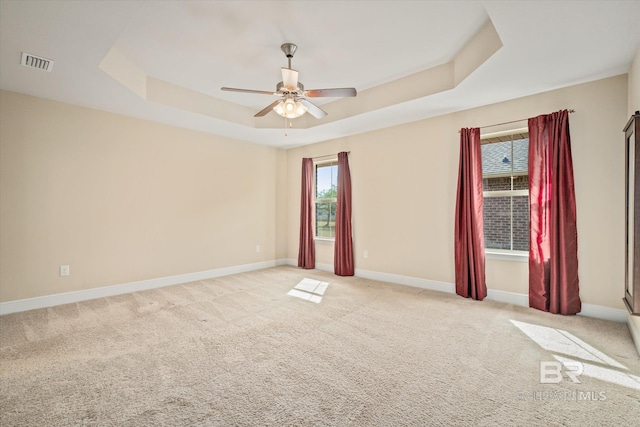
(506, 254)
(324, 162)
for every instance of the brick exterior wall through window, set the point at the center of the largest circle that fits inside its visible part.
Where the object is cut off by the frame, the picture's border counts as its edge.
(497, 223)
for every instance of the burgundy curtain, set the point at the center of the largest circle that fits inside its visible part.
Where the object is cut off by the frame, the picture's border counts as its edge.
(469, 231)
(553, 244)
(343, 250)
(307, 250)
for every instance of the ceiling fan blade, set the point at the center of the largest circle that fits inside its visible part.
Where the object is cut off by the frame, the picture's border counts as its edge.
(290, 78)
(263, 92)
(313, 109)
(338, 92)
(266, 109)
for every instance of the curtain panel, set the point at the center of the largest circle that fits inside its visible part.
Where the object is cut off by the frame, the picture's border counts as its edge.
(307, 250)
(553, 251)
(469, 230)
(343, 248)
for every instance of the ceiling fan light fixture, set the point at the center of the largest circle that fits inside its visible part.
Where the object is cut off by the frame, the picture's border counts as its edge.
(289, 106)
(290, 109)
(300, 109)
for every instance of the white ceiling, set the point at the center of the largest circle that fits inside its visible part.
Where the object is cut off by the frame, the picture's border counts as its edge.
(199, 47)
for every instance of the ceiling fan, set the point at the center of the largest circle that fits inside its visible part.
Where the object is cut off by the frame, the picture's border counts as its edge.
(292, 95)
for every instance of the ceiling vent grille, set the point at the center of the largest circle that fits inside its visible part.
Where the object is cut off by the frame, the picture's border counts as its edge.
(38, 62)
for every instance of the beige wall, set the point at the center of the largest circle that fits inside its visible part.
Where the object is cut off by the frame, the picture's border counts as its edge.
(121, 199)
(404, 183)
(634, 85)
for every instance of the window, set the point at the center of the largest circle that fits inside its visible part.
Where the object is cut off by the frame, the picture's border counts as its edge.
(326, 194)
(505, 185)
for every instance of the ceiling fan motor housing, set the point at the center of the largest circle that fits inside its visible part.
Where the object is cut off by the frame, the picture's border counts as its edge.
(281, 88)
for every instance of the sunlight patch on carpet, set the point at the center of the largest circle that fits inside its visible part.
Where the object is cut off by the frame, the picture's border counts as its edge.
(314, 286)
(557, 341)
(309, 290)
(604, 374)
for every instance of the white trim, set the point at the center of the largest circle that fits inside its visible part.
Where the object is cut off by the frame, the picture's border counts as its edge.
(505, 132)
(602, 312)
(588, 310)
(142, 285)
(505, 193)
(330, 159)
(325, 239)
(508, 297)
(510, 174)
(319, 266)
(416, 282)
(518, 256)
(324, 267)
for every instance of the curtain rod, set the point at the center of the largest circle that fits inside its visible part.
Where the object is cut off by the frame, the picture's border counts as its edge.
(329, 155)
(512, 121)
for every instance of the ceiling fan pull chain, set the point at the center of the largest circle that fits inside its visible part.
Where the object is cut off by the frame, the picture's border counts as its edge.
(286, 132)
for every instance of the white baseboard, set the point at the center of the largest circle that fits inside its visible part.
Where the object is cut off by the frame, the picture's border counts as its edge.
(319, 266)
(107, 291)
(602, 312)
(508, 297)
(589, 310)
(325, 267)
(416, 282)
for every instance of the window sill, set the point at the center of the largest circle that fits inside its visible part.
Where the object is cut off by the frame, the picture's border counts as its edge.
(507, 255)
(324, 239)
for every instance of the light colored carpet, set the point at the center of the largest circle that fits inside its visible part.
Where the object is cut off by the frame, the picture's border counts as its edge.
(239, 351)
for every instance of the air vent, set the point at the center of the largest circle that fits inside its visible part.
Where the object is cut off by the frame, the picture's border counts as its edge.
(38, 62)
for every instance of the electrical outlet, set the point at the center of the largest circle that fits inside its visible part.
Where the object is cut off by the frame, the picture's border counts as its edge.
(257, 248)
(365, 254)
(64, 270)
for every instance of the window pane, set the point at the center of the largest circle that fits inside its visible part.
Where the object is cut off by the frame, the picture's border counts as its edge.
(326, 181)
(497, 222)
(504, 183)
(520, 156)
(521, 223)
(326, 219)
(505, 217)
(505, 158)
(496, 184)
(521, 182)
